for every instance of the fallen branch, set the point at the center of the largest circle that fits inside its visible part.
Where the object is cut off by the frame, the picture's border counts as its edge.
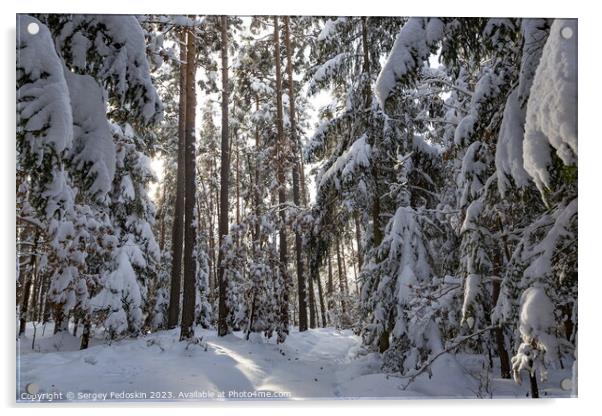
(427, 365)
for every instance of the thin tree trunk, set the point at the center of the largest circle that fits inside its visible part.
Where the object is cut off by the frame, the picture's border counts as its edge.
(189, 298)
(312, 301)
(499, 336)
(358, 240)
(533, 383)
(355, 272)
(257, 178)
(162, 222)
(301, 292)
(505, 367)
(329, 284)
(321, 297)
(237, 185)
(222, 324)
(375, 211)
(177, 237)
(345, 281)
(86, 333)
(341, 278)
(28, 283)
(284, 318)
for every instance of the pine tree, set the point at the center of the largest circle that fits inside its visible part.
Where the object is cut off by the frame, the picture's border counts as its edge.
(224, 183)
(190, 287)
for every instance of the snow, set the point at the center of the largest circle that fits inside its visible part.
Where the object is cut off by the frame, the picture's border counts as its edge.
(329, 28)
(541, 265)
(318, 363)
(551, 121)
(44, 101)
(117, 42)
(93, 147)
(412, 47)
(119, 291)
(509, 150)
(358, 155)
(487, 88)
(537, 326)
(327, 69)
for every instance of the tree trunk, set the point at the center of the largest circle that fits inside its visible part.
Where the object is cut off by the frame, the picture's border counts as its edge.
(86, 333)
(358, 240)
(355, 269)
(61, 321)
(341, 278)
(312, 301)
(500, 260)
(177, 237)
(222, 324)
(189, 298)
(345, 281)
(281, 146)
(533, 383)
(321, 296)
(28, 283)
(257, 193)
(499, 337)
(375, 211)
(301, 292)
(162, 222)
(237, 185)
(329, 284)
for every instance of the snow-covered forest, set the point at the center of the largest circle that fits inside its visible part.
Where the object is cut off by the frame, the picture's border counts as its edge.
(307, 206)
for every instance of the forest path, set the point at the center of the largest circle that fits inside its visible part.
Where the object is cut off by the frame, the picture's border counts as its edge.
(318, 363)
(308, 364)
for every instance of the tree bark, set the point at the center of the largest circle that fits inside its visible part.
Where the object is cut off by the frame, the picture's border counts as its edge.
(281, 146)
(28, 283)
(86, 333)
(222, 324)
(341, 277)
(189, 298)
(162, 221)
(177, 237)
(301, 292)
(257, 193)
(499, 337)
(358, 239)
(321, 297)
(329, 284)
(312, 309)
(375, 211)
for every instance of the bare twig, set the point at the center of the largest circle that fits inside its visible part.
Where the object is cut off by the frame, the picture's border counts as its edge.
(412, 377)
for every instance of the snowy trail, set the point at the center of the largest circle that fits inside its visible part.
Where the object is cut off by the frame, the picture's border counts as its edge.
(319, 363)
(305, 366)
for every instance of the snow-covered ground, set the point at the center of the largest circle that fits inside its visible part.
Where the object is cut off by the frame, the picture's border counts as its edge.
(320, 363)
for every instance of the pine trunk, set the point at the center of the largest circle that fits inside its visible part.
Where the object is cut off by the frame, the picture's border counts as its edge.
(312, 308)
(189, 298)
(375, 211)
(321, 297)
(257, 193)
(296, 189)
(222, 324)
(177, 236)
(329, 284)
(281, 146)
(341, 277)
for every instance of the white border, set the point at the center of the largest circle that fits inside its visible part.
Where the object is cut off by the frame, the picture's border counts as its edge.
(589, 173)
